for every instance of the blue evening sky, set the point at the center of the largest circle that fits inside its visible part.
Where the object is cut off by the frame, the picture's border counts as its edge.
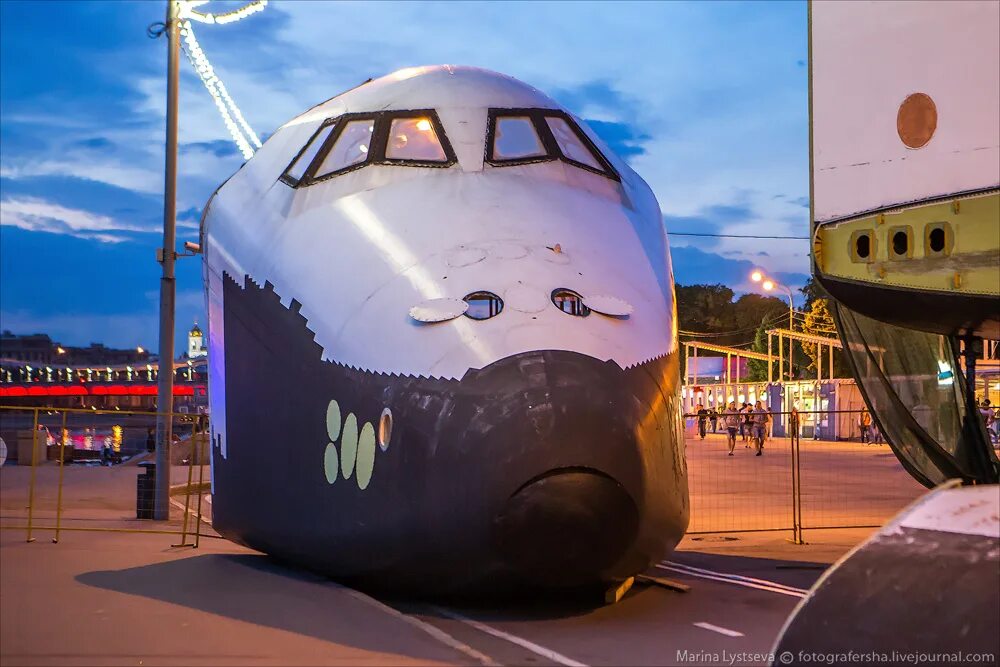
(707, 100)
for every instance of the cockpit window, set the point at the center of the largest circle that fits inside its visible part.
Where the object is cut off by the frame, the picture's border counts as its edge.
(352, 141)
(298, 166)
(414, 139)
(516, 138)
(522, 136)
(350, 147)
(569, 143)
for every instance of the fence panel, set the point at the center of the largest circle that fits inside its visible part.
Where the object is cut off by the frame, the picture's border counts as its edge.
(743, 492)
(830, 484)
(852, 484)
(87, 470)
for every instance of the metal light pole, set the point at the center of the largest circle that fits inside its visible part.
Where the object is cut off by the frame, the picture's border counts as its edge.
(769, 284)
(791, 327)
(167, 256)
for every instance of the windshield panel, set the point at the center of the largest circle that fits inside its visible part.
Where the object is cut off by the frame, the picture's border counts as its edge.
(570, 144)
(350, 148)
(515, 137)
(414, 139)
(299, 165)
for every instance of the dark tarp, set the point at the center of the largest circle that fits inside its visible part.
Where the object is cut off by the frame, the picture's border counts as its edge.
(914, 385)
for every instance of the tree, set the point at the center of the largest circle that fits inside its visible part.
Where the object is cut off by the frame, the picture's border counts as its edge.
(707, 313)
(819, 322)
(756, 369)
(812, 290)
(704, 308)
(710, 309)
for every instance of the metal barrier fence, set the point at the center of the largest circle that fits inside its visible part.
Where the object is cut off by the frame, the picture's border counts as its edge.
(60, 485)
(94, 470)
(797, 483)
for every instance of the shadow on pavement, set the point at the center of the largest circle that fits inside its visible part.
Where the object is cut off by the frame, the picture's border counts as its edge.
(254, 589)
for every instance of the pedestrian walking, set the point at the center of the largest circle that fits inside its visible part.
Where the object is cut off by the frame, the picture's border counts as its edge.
(713, 417)
(760, 423)
(793, 423)
(865, 424)
(702, 419)
(731, 422)
(989, 419)
(747, 424)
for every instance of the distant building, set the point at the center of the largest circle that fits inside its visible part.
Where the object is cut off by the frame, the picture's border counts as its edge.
(713, 369)
(40, 349)
(196, 343)
(35, 371)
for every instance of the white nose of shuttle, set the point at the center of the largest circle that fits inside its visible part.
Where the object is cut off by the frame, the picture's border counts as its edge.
(516, 237)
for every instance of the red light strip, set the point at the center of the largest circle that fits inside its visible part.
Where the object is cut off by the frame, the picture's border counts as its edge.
(18, 391)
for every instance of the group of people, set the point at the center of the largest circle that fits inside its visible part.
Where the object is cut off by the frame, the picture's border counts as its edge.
(751, 422)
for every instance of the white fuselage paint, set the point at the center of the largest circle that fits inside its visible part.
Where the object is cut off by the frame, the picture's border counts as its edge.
(862, 71)
(360, 250)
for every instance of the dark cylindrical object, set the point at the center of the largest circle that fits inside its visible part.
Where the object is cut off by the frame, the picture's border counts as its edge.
(165, 391)
(145, 491)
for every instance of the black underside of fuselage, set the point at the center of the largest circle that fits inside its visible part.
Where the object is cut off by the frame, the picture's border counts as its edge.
(548, 468)
(948, 314)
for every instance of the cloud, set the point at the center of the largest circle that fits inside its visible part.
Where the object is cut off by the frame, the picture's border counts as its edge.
(39, 215)
(97, 143)
(219, 148)
(693, 266)
(140, 326)
(620, 137)
(113, 172)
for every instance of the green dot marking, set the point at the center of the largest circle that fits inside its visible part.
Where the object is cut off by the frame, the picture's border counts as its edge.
(330, 463)
(333, 420)
(366, 455)
(349, 446)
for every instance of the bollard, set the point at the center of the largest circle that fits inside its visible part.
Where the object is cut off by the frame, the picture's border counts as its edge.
(145, 491)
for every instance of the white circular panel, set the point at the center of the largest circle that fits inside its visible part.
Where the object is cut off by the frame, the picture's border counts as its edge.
(438, 310)
(608, 305)
(508, 251)
(525, 299)
(465, 256)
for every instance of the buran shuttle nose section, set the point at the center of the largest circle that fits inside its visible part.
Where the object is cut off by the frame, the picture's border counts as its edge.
(443, 344)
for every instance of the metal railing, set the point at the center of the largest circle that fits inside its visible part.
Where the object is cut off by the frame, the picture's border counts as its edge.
(61, 447)
(797, 483)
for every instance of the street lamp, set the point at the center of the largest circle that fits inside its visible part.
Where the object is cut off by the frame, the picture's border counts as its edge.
(769, 284)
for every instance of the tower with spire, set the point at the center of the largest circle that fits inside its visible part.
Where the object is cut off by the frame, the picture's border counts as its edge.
(196, 343)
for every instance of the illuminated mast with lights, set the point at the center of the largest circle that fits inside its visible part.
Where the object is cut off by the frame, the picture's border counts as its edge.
(180, 14)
